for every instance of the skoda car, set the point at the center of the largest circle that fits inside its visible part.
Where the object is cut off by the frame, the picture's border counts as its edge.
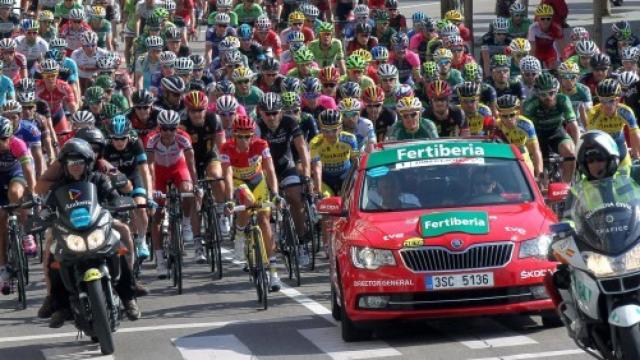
(437, 228)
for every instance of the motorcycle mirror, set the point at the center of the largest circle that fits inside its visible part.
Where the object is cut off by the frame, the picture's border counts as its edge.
(557, 192)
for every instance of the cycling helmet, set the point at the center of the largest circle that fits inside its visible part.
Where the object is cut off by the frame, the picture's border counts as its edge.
(363, 28)
(303, 56)
(417, 18)
(350, 89)
(161, 13)
(517, 8)
(622, 29)
(105, 63)
(568, 68)
(472, 72)
(387, 70)
(53, 43)
(224, 4)
(290, 100)
(530, 64)
(630, 53)
(355, 62)
(438, 89)
(544, 10)
(76, 14)
(295, 17)
(448, 30)
(270, 102)
(454, 41)
(500, 26)
(453, 16)
(225, 87)
(74, 148)
(263, 23)
(94, 137)
(244, 124)
(184, 66)
(11, 107)
(94, 95)
(89, 38)
(586, 47)
(26, 97)
(579, 33)
(310, 11)
(226, 104)
(545, 82)
(119, 126)
(242, 73)
(174, 34)
(153, 23)
(468, 89)
(196, 84)
(380, 16)
(168, 58)
(361, 12)
(600, 62)
(270, 64)
(311, 85)
(429, 24)
(500, 61)
(7, 44)
(380, 53)
(83, 117)
(508, 102)
(30, 25)
(329, 74)
(222, 19)
(109, 110)
(628, 79)
(597, 143)
(142, 97)
(232, 57)
(245, 32)
(174, 83)
(168, 118)
(391, 4)
(402, 91)
(325, 27)
(154, 42)
(520, 46)
(364, 54)
(49, 66)
(608, 88)
(373, 95)
(409, 103)
(330, 119)
(170, 5)
(430, 70)
(46, 15)
(442, 54)
(399, 40)
(290, 84)
(6, 128)
(196, 100)
(98, 12)
(105, 81)
(55, 54)
(295, 37)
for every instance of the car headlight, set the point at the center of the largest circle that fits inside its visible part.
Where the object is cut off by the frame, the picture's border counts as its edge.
(370, 258)
(602, 265)
(95, 239)
(538, 247)
(75, 243)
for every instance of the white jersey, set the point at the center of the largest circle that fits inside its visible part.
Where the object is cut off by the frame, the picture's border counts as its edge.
(33, 51)
(143, 11)
(87, 64)
(365, 132)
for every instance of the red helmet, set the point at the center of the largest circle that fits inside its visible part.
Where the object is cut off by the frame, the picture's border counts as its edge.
(439, 89)
(329, 74)
(196, 100)
(373, 94)
(244, 124)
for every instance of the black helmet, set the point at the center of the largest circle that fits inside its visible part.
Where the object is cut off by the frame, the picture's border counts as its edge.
(94, 137)
(599, 144)
(600, 61)
(142, 97)
(468, 89)
(270, 102)
(270, 64)
(363, 28)
(197, 85)
(608, 88)
(507, 102)
(77, 148)
(330, 119)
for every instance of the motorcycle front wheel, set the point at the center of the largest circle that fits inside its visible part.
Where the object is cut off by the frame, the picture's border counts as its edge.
(101, 324)
(629, 343)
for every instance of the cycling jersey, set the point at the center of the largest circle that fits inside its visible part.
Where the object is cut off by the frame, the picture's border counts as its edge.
(613, 50)
(589, 81)
(512, 88)
(12, 69)
(129, 28)
(251, 100)
(143, 128)
(454, 125)
(17, 154)
(364, 132)
(481, 122)
(61, 11)
(614, 125)
(280, 141)
(308, 126)
(489, 44)
(327, 57)
(32, 51)
(247, 16)
(253, 53)
(144, 10)
(168, 155)
(519, 31)
(545, 42)
(385, 120)
(548, 121)
(6, 89)
(270, 40)
(406, 66)
(87, 63)
(71, 68)
(384, 39)
(127, 160)
(307, 32)
(203, 139)
(453, 78)
(102, 30)
(274, 87)
(335, 158)
(354, 45)
(465, 59)
(213, 39)
(211, 19)
(145, 67)
(521, 135)
(29, 133)
(56, 97)
(8, 26)
(398, 23)
(246, 165)
(73, 37)
(580, 98)
(426, 130)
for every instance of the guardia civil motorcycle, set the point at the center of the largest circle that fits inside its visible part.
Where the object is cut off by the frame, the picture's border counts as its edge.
(598, 281)
(87, 247)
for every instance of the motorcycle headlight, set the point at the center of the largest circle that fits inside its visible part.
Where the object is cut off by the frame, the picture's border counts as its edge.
(370, 258)
(538, 247)
(603, 266)
(75, 243)
(95, 239)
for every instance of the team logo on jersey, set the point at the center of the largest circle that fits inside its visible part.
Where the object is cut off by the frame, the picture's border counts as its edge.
(74, 194)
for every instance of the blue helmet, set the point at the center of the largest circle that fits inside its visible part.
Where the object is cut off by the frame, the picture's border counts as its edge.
(290, 84)
(225, 87)
(119, 126)
(245, 32)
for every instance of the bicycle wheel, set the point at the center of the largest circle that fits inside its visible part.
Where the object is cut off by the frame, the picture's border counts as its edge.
(312, 231)
(204, 223)
(262, 278)
(177, 255)
(19, 263)
(216, 241)
(292, 240)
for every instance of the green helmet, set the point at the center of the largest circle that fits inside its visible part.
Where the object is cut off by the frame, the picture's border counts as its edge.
(472, 72)
(325, 27)
(93, 95)
(440, 24)
(303, 56)
(356, 62)
(381, 16)
(105, 82)
(500, 61)
(153, 22)
(161, 12)
(430, 70)
(545, 82)
(109, 110)
(290, 100)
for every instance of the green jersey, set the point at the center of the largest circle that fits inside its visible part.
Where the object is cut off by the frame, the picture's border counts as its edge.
(247, 16)
(62, 11)
(385, 38)
(454, 78)
(327, 57)
(426, 130)
(211, 20)
(519, 31)
(580, 98)
(102, 30)
(546, 120)
(583, 69)
(250, 101)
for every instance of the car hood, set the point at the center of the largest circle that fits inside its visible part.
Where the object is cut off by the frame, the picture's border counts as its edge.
(505, 222)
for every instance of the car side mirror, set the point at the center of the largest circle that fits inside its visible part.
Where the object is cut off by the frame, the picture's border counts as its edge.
(331, 206)
(558, 192)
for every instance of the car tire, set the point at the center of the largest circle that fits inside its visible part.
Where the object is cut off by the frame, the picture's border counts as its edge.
(335, 307)
(351, 332)
(551, 320)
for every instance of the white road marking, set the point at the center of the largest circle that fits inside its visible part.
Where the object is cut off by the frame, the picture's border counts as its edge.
(75, 353)
(535, 355)
(329, 341)
(475, 335)
(500, 341)
(224, 347)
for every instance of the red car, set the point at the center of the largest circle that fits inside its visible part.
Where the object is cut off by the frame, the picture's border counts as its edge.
(437, 228)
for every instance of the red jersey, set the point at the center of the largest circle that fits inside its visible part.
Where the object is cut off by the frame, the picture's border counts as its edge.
(60, 94)
(466, 58)
(12, 70)
(246, 165)
(271, 40)
(568, 51)
(560, 11)
(465, 33)
(168, 155)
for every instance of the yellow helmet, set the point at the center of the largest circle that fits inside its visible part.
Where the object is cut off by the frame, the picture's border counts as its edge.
(569, 67)
(453, 16)
(544, 10)
(408, 103)
(520, 46)
(442, 54)
(296, 16)
(348, 105)
(98, 11)
(242, 73)
(364, 54)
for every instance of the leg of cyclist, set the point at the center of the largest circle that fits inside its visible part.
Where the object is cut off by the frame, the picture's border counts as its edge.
(293, 194)
(566, 149)
(214, 171)
(5, 275)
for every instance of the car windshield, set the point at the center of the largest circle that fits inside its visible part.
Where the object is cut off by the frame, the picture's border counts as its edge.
(444, 183)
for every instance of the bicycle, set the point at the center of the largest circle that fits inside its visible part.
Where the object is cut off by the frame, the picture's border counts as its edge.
(288, 242)
(313, 226)
(212, 233)
(17, 263)
(552, 173)
(254, 245)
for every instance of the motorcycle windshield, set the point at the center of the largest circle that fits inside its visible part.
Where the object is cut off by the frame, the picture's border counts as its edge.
(606, 214)
(77, 205)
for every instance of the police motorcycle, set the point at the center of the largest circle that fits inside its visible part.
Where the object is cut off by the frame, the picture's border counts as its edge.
(88, 251)
(597, 286)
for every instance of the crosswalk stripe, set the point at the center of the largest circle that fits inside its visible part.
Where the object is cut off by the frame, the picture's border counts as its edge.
(540, 355)
(500, 341)
(476, 336)
(223, 347)
(329, 341)
(75, 353)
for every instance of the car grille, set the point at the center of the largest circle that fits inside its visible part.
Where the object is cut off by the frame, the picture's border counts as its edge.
(620, 285)
(481, 256)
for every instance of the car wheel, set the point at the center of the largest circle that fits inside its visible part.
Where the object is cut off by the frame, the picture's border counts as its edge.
(551, 320)
(350, 330)
(335, 307)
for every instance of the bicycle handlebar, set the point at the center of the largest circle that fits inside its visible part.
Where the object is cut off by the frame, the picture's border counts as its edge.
(264, 205)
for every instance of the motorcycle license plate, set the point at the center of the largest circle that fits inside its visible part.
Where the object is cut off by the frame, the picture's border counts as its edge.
(459, 281)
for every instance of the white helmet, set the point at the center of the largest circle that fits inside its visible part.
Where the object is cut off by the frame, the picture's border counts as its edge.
(89, 38)
(168, 118)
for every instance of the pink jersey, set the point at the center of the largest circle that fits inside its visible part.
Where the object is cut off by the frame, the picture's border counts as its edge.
(415, 41)
(18, 153)
(327, 102)
(412, 58)
(173, 154)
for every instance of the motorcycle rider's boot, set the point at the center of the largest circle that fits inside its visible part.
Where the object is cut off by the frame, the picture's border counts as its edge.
(59, 317)
(45, 310)
(140, 290)
(132, 310)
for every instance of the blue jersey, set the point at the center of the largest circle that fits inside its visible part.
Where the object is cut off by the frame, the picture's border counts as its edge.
(6, 89)
(70, 64)
(29, 133)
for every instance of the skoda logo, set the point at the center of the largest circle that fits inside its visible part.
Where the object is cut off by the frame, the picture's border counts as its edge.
(609, 218)
(456, 243)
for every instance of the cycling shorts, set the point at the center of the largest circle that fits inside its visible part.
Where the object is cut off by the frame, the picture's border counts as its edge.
(331, 185)
(550, 142)
(7, 177)
(176, 173)
(252, 191)
(202, 164)
(289, 177)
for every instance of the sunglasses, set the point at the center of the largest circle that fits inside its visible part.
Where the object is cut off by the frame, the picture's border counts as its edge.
(243, 137)
(550, 93)
(174, 94)
(310, 96)
(457, 49)
(330, 85)
(470, 100)
(608, 101)
(545, 19)
(296, 24)
(119, 138)
(168, 128)
(143, 107)
(509, 115)
(392, 79)
(89, 46)
(76, 162)
(529, 74)
(331, 131)
(222, 25)
(196, 110)
(374, 105)
(271, 113)
(292, 111)
(225, 113)
(8, 51)
(411, 115)
(242, 82)
(269, 74)
(350, 114)
(28, 107)
(32, 32)
(51, 75)
(595, 158)
(568, 76)
(76, 21)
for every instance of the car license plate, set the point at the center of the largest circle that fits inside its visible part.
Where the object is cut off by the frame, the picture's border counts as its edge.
(458, 281)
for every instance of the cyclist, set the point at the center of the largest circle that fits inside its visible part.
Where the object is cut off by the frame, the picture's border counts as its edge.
(612, 117)
(362, 39)
(460, 57)
(500, 79)
(143, 115)
(184, 69)
(455, 17)
(149, 63)
(73, 30)
(577, 33)
(227, 109)
(31, 45)
(383, 32)
(329, 77)
(250, 48)
(630, 95)
(28, 102)
(600, 69)
(86, 58)
(530, 68)
(443, 58)
(267, 37)
(7, 90)
(621, 37)
(555, 122)
(488, 96)
(215, 35)
(27, 132)
(407, 62)
(172, 89)
(354, 123)
(379, 55)
(420, 41)
(397, 21)
(250, 178)
(520, 131)
(382, 118)
(9, 22)
(269, 79)
(388, 75)
(416, 24)
(327, 50)
(361, 14)
(585, 50)
(223, 6)
(518, 49)
(411, 125)
(292, 106)
(101, 27)
(15, 63)
(198, 70)
(449, 119)
(543, 35)
(494, 42)
(356, 65)
(58, 95)
(313, 101)
(110, 97)
(247, 94)
(578, 93)
(296, 23)
(248, 12)
(519, 23)
(63, 11)
(629, 57)
(477, 115)
(47, 29)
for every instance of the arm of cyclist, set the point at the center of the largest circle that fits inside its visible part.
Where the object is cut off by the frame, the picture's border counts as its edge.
(270, 174)
(316, 174)
(303, 152)
(536, 157)
(29, 173)
(191, 164)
